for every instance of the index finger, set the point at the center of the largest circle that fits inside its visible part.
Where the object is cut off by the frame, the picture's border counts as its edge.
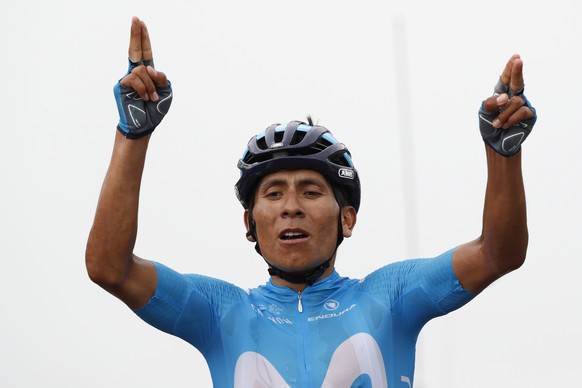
(135, 40)
(516, 84)
(507, 71)
(146, 47)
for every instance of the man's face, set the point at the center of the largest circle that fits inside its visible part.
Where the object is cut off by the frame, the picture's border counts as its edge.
(296, 217)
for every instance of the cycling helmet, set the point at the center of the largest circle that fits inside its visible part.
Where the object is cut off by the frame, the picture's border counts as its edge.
(292, 146)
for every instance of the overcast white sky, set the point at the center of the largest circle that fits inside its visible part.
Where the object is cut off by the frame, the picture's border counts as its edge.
(236, 67)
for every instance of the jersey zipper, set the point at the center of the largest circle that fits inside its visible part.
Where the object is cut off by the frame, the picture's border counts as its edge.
(299, 303)
(302, 341)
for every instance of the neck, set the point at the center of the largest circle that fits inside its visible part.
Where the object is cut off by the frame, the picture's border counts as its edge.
(295, 280)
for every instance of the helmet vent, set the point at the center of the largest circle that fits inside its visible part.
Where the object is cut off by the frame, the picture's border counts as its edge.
(279, 136)
(321, 144)
(262, 143)
(342, 158)
(298, 136)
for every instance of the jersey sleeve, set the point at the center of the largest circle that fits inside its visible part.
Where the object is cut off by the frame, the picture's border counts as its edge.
(421, 289)
(437, 279)
(188, 306)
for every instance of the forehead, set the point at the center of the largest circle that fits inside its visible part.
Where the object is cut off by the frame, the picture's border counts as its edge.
(294, 177)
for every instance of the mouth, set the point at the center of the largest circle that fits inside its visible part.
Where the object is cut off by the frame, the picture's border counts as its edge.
(293, 235)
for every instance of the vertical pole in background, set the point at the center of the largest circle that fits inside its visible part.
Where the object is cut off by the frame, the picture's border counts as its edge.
(404, 109)
(403, 100)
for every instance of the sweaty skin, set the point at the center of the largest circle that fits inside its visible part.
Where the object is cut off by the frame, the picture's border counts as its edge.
(296, 217)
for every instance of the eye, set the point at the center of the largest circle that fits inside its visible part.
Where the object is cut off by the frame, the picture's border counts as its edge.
(313, 194)
(273, 194)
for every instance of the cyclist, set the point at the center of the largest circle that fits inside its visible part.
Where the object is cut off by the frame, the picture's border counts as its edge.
(307, 326)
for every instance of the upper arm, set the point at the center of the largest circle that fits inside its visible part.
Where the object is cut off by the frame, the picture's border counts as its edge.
(190, 306)
(472, 268)
(141, 283)
(420, 289)
(136, 286)
(502, 246)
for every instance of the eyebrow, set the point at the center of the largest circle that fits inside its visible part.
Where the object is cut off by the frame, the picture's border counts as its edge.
(273, 182)
(302, 182)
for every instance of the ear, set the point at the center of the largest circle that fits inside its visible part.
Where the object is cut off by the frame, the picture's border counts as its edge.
(349, 218)
(247, 221)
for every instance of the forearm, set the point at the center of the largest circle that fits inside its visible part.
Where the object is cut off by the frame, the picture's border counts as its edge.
(109, 253)
(505, 120)
(504, 237)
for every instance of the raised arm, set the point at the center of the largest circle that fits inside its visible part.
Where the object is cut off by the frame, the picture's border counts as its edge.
(506, 119)
(143, 97)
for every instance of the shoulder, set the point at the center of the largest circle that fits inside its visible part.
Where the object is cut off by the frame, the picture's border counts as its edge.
(401, 276)
(176, 285)
(421, 281)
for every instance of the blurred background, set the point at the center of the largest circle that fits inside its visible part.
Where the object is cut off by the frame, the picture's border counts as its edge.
(398, 82)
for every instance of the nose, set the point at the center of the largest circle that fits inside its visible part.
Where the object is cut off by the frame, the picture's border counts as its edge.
(292, 206)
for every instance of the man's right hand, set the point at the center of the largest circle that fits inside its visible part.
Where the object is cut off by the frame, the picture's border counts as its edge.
(143, 95)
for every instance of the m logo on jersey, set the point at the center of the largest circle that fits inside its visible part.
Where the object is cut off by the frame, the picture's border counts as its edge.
(357, 356)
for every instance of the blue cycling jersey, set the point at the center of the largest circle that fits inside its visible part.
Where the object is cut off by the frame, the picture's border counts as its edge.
(339, 332)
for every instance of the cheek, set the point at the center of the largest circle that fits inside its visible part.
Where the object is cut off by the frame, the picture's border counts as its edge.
(262, 223)
(330, 224)
(332, 230)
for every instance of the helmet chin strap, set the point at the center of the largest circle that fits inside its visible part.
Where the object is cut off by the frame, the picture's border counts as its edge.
(301, 279)
(295, 278)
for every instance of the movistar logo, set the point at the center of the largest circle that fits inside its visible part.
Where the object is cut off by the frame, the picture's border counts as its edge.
(346, 173)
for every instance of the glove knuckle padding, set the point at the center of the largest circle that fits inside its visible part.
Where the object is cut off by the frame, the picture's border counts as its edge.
(138, 118)
(506, 142)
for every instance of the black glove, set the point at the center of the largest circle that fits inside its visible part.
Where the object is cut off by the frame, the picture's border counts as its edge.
(138, 118)
(506, 142)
